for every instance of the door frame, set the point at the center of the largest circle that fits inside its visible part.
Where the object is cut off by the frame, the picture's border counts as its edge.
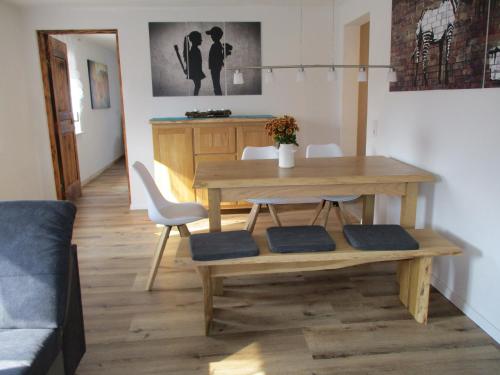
(42, 36)
(364, 59)
(350, 87)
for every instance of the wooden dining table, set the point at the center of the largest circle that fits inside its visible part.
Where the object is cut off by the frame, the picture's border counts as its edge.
(366, 176)
(234, 180)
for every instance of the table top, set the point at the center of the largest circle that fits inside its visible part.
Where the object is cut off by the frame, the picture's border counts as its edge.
(232, 118)
(317, 171)
(431, 244)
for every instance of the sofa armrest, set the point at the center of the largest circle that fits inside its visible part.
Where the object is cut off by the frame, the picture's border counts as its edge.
(73, 332)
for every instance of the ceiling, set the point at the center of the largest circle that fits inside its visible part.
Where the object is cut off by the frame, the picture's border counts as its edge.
(166, 2)
(107, 41)
(103, 40)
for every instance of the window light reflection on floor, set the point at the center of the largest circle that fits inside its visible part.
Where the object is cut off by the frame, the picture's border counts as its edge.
(246, 361)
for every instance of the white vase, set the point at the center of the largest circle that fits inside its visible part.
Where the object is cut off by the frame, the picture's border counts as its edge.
(287, 155)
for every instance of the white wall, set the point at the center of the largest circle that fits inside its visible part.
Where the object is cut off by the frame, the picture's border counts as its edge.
(454, 134)
(101, 141)
(311, 102)
(20, 176)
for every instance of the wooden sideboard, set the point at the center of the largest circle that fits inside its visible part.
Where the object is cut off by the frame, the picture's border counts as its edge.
(181, 143)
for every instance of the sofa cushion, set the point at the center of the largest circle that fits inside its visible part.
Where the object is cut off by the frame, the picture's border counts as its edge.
(35, 239)
(299, 239)
(222, 245)
(379, 237)
(27, 351)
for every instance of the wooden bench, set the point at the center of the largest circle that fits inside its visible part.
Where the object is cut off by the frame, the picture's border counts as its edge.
(414, 271)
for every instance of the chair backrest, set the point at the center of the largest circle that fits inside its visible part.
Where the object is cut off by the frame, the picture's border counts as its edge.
(330, 150)
(256, 153)
(156, 201)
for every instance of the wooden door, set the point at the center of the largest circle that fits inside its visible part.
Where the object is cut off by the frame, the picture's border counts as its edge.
(173, 152)
(250, 135)
(63, 120)
(364, 51)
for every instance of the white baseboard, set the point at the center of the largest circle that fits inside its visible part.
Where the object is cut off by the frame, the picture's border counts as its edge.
(93, 176)
(459, 301)
(137, 208)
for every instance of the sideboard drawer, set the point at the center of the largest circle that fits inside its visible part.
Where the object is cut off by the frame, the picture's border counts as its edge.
(214, 140)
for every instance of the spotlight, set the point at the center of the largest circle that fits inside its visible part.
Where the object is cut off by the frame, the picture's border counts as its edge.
(268, 76)
(392, 76)
(301, 75)
(331, 75)
(238, 78)
(362, 75)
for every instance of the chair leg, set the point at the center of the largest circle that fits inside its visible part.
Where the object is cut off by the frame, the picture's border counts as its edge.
(183, 230)
(252, 218)
(157, 256)
(329, 205)
(317, 211)
(338, 214)
(274, 215)
(343, 217)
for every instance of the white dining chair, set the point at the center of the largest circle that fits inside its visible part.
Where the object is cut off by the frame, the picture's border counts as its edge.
(168, 214)
(260, 153)
(330, 150)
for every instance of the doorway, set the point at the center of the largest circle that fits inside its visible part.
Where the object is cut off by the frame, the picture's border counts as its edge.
(355, 93)
(81, 74)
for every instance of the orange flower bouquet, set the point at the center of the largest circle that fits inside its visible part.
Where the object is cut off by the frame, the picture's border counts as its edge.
(283, 130)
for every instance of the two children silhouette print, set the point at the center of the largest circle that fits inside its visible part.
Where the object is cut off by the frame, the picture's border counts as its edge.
(192, 61)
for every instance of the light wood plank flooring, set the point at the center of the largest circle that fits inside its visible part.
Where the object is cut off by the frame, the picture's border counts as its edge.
(346, 321)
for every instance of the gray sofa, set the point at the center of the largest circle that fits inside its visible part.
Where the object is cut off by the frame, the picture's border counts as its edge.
(41, 321)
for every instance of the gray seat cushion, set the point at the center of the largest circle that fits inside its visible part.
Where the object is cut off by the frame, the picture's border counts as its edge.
(222, 245)
(27, 351)
(379, 237)
(299, 239)
(35, 239)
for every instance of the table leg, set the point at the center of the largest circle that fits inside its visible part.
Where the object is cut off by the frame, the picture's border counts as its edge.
(214, 219)
(409, 206)
(206, 281)
(407, 220)
(218, 286)
(417, 287)
(368, 209)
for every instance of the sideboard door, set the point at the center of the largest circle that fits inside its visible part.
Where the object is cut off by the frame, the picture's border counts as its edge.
(174, 167)
(202, 194)
(214, 140)
(252, 136)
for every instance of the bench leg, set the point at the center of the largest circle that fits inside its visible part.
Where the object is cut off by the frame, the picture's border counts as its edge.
(414, 286)
(403, 278)
(218, 286)
(206, 281)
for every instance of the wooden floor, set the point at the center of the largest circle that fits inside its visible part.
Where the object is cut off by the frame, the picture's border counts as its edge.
(336, 322)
